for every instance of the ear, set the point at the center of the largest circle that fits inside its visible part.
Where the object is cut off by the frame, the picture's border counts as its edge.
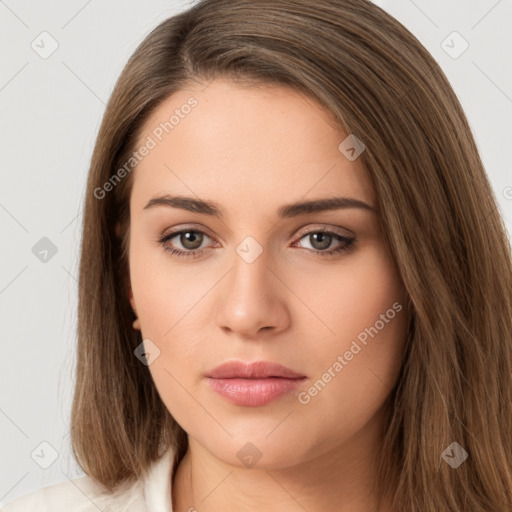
(130, 297)
(136, 322)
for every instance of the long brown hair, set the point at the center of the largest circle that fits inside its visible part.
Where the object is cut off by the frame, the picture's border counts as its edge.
(437, 211)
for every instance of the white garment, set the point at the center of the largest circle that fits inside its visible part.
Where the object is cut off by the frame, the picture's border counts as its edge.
(152, 494)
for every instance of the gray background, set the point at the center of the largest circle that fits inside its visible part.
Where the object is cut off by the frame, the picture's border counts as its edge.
(51, 112)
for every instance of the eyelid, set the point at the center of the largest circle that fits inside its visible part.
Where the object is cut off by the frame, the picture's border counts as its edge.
(310, 229)
(332, 230)
(180, 229)
(350, 241)
(327, 227)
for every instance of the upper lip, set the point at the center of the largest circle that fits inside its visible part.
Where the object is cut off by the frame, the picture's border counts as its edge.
(255, 370)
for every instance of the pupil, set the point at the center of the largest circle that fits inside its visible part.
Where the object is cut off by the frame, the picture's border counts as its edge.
(192, 240)
(323, 238)
(189, 240)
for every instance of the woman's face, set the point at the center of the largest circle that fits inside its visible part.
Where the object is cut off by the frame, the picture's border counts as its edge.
(256, 282)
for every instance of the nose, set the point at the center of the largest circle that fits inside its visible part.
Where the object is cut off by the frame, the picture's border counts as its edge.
(252, 300)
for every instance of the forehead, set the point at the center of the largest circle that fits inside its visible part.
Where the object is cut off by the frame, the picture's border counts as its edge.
(258, 143)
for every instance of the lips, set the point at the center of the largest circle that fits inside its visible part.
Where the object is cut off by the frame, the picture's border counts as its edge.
(255, 370)
(253, 384)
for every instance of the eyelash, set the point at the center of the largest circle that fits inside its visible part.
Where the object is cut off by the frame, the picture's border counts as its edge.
(349, 244)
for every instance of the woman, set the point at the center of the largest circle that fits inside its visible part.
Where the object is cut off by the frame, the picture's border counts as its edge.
(295, 285)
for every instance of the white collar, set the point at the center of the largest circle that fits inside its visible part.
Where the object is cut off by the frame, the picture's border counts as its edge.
(157, 486)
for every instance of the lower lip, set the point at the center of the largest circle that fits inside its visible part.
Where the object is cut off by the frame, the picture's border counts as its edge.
(254, 392)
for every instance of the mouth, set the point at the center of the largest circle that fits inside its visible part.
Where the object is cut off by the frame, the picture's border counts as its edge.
(255, 384)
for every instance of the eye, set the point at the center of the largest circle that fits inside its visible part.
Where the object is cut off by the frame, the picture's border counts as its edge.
(323, 239)
(191, 241)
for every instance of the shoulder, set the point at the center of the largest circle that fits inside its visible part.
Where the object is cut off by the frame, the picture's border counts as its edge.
(149, 493)
(80, 495)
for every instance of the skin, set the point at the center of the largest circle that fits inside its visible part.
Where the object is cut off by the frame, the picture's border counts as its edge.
(253, 149)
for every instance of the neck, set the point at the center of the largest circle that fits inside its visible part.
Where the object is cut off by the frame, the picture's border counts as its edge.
(343, 475)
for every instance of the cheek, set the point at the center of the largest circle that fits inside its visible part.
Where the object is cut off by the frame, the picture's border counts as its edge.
(164, 292)
(350, 295)
(354, 377)
(168, 300)
(356, 365)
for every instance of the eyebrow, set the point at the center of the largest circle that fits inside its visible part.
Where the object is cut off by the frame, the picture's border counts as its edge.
(286, 211)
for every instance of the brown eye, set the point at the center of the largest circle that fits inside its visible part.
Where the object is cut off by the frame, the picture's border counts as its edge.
(191, 240)
(320, 241)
